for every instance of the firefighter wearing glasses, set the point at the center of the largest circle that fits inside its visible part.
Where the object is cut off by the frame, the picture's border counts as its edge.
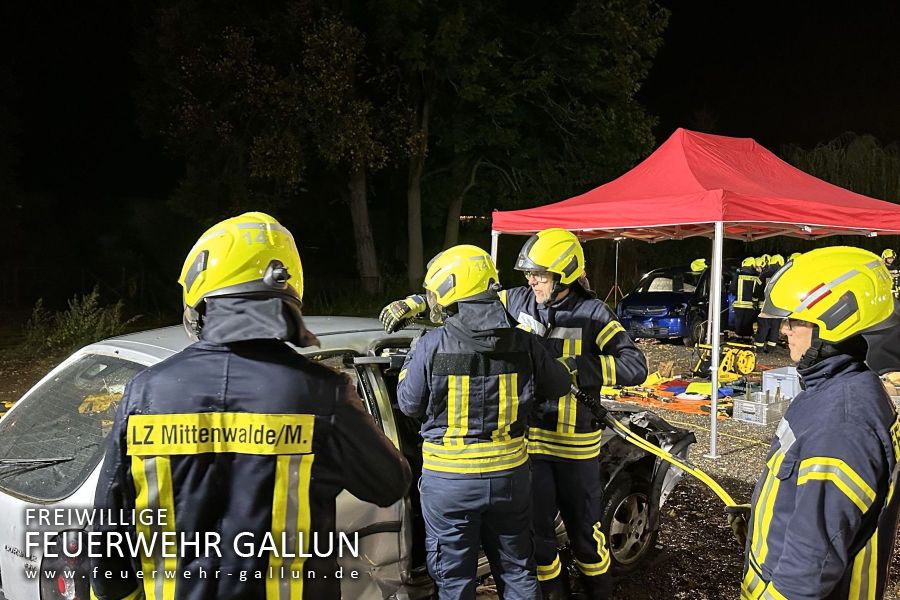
(824, 512)
(562, 440)
(473, 381)
(242, 289)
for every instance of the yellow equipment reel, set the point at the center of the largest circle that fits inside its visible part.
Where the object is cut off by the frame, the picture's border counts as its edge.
(746, 362)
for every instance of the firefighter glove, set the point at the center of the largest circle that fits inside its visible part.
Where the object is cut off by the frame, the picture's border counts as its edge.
(738, 517)
(397, 314)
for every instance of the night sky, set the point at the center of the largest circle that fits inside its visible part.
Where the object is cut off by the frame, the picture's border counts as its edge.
(785, 72)
(782, 73)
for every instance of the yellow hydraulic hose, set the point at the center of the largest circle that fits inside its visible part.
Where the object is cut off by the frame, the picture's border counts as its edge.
(597, 409)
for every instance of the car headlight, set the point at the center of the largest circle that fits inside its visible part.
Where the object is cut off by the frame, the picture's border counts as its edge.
(678, 311)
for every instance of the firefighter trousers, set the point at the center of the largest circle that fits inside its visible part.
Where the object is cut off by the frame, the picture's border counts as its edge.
(767, 333)
(575, 489)
(465, 515)
(743, 321)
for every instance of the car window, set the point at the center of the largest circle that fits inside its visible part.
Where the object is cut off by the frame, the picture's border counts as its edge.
(69, 415)
(670, 281)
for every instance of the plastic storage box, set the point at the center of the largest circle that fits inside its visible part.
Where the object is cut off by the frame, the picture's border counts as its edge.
(759, 410)
(786, 379)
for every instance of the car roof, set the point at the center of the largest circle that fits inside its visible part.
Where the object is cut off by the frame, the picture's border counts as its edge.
(335, 333)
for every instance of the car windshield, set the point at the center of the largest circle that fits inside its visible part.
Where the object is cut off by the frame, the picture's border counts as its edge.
(670, 280)
(55, 437)
(66, 417)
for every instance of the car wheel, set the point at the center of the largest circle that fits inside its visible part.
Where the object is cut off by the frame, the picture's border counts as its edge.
(697, 332)
(626, 521)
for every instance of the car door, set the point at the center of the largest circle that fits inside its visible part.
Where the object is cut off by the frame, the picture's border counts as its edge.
(383, 534)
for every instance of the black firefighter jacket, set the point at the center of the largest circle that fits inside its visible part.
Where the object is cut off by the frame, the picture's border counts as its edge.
(825, 509)
(584, 328)
(248, 439)
(473, 382)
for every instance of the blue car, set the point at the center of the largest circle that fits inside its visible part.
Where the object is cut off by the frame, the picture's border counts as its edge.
(673, 303)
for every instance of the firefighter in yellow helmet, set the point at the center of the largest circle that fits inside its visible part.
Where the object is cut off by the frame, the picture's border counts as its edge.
(698, 265)
(474, 382)
(824, 511)
(767, 326)
(242, 288)
(562, 441)
(745, 304)
(558, 306)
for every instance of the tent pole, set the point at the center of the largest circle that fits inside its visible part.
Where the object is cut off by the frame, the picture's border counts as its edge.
(715, 297)
(495, 240)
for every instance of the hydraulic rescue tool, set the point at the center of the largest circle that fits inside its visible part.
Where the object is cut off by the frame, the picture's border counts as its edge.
(738, 513)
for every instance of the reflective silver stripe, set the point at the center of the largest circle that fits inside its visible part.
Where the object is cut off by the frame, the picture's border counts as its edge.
(824, 289)
(754, 582)
(563, 255)
(785, 435)
(290, 520)
(838, 473)
(264, 226)
(565, 333)
(763, 501)
(153, 505)
(482, 449)
(865, 580)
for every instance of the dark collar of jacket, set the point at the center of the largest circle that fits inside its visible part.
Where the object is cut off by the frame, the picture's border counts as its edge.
(476, 322)
(572, 300)
(827, 369)
(232, 319)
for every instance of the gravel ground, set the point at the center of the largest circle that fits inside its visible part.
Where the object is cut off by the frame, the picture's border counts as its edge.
(698, 558)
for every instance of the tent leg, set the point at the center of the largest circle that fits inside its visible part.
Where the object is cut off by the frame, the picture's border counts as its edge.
(715, 297)
(495, 240)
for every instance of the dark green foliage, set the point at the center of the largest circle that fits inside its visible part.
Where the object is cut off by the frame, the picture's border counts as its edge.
(856, 162)
(85, 320)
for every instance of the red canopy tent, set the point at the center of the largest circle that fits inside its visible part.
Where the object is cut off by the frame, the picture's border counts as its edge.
(696, 184)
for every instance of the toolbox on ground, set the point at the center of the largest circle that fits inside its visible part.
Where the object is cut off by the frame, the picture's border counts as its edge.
(761, 409)
(786, 379)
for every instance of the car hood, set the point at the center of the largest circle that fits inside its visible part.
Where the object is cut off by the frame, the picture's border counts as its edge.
(655, 299)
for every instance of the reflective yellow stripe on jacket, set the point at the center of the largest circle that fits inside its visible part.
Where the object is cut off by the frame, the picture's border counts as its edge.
(455, 455)
(153, 439)
(153, 491)
(574, 446)
(290, 514)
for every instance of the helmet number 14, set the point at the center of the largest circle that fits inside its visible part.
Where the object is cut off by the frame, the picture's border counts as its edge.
(259, 239)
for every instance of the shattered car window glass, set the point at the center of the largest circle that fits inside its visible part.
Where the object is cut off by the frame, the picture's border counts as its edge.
(68, 416)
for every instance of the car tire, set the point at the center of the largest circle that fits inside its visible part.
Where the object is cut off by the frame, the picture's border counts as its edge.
(697, 331)
(626, 521)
